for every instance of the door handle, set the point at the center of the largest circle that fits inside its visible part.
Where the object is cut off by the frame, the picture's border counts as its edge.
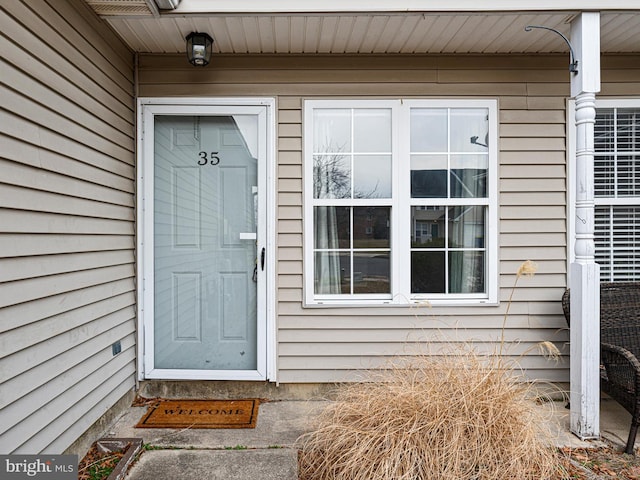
(262, 255)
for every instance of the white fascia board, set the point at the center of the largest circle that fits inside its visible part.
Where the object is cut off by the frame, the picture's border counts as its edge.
(369, 6)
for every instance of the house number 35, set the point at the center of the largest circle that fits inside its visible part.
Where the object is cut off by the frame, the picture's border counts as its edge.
(208, 158)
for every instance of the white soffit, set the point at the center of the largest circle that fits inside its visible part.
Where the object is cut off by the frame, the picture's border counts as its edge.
(368, 26)
(373, 33)
(340, 6)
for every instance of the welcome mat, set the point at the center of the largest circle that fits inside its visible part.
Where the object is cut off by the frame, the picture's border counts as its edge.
(201, 414)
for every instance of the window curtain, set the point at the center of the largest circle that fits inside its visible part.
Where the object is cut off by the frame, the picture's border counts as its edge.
(466, 267)
(468, 182)
(327, 275)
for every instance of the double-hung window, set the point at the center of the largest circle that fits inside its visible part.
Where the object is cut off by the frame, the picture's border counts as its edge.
(617, 189)
(400, 201)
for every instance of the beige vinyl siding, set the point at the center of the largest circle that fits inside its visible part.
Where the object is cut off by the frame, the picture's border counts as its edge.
(67, 223)
(331, 344)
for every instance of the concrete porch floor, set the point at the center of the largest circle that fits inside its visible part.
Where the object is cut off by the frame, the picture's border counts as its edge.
(268, 451)
(615, 422)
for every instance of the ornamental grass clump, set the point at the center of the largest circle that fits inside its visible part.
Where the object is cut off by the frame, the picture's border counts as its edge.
(452, 416)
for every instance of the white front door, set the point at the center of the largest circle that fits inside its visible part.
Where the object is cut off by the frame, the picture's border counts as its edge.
(203, 177)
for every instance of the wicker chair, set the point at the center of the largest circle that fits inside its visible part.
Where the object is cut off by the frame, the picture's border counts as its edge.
(619, 347)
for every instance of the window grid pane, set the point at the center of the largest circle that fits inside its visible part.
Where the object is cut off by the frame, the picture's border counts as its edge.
(617, 148)
(352, 250)
(617, 175)
(352, 153)
(352, 161)
(449, 152)
(357, 233)
(448, 249)
(617, 239)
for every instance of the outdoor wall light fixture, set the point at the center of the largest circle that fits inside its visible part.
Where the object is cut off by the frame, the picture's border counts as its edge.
(573, 66)
(199, 46)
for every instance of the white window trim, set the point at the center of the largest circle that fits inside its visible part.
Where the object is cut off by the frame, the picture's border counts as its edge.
(400, 236)
(571, 171)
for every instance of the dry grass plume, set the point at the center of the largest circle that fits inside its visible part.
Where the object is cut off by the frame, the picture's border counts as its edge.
(447, 418)
(460, 416)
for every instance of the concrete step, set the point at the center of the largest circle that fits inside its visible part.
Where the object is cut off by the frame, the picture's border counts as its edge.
(279, 425)
(266, 452)
(262, 464)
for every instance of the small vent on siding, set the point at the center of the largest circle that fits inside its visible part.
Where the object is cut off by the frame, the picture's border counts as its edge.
(120, 7)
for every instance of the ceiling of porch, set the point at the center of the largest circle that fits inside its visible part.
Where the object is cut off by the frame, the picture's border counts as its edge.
(146, 31)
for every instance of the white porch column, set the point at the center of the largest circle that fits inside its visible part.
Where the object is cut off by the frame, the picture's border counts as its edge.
(585, 273)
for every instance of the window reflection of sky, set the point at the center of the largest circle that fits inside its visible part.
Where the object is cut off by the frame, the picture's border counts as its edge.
(372, 130)
(445, 161)
(431, 126)
(331, 130)
(440, 141)
(363, 139)
(372, 176)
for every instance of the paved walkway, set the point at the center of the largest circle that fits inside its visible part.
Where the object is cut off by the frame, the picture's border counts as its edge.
(268, 451)
(265, 452)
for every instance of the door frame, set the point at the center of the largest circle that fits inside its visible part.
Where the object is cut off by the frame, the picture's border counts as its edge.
(147, 108)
